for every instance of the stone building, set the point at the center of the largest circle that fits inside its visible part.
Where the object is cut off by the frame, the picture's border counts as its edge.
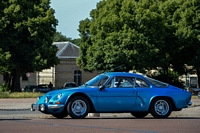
(66, 71)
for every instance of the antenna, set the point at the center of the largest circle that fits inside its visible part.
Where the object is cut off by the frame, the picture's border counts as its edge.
(118, 66)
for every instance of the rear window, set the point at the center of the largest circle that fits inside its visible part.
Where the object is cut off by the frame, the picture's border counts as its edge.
(157, 83)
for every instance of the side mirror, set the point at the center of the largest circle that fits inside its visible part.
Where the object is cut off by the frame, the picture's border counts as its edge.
(101, 87)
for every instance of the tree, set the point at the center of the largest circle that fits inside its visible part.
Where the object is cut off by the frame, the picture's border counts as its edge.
(187, 21)
(136, 35)
(169, 56)
(27, 31)
(118, 32)
(102, 37)
(141, 35)
(58, 37)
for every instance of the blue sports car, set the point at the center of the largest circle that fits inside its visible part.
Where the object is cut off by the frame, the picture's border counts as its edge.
(115, 92)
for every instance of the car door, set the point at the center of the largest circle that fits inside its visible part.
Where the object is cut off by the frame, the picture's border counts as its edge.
(118, 94)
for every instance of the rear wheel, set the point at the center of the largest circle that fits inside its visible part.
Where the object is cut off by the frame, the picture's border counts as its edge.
(78, 107)
(160, 108)
(139, 114)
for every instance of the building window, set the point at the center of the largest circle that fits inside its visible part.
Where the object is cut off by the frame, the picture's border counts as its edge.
(24, 77)
(77, 77)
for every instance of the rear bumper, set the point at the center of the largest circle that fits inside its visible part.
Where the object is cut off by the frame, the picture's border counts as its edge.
(189, 104)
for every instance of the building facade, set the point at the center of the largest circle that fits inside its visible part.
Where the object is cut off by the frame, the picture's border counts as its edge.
(66, 71)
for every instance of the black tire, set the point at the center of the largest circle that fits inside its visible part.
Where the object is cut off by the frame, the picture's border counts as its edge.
(139, 114)
(161, 108)
(78, 107)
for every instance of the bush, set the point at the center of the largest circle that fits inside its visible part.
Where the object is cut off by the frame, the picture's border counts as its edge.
(4, 88)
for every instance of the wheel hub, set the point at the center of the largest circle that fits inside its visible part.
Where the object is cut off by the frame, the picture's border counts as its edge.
(161, 107)
(79, 107)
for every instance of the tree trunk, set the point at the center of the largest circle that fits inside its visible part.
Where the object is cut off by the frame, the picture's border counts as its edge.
(9, 82)
(13, 81)
(16, 80)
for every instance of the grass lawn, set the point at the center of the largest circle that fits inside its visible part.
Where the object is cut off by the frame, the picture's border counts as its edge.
(20, 94)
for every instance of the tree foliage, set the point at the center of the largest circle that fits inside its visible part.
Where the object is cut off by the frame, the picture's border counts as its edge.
(122, 33)
(59, 37)
(4, 61)
(26, 33)
(140, 35)
(187, 21)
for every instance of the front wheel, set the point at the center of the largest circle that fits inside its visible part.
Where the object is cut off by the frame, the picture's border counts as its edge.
(160, 108)
(78, 107)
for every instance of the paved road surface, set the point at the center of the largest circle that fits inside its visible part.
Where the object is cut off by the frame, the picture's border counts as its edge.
(20, 108)
(16, 117)
(94, 125)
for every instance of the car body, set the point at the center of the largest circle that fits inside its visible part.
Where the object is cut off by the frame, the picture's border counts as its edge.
(115, 92)
(43, 88)
(70, 85)
(29, 88)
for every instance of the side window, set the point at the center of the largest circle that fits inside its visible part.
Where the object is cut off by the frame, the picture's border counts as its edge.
(141, 83)
(125, 82)
(122, 82)
(103, 80)
(111, 83)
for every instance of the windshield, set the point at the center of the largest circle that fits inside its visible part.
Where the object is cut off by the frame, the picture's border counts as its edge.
(156, 82)
(97, 81)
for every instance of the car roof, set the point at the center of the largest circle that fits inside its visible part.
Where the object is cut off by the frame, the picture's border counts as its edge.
(123, 74)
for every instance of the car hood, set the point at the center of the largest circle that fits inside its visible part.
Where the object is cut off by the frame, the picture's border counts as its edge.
(70, 90)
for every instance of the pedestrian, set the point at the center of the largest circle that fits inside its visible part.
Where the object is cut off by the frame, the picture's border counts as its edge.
(50, 86)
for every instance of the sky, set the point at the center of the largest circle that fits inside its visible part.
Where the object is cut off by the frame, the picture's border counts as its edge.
(69, 13)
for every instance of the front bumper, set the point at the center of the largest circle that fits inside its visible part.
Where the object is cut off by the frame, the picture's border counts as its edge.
(43, 107)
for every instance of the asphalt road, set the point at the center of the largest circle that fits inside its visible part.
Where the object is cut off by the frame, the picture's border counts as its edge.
(16, 117)
(101, 125)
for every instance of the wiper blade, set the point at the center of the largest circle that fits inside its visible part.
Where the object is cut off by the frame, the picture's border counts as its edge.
(85, 85)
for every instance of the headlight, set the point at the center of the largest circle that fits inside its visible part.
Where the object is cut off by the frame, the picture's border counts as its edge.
(38, 98)
(47, 99)
(57, 97)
